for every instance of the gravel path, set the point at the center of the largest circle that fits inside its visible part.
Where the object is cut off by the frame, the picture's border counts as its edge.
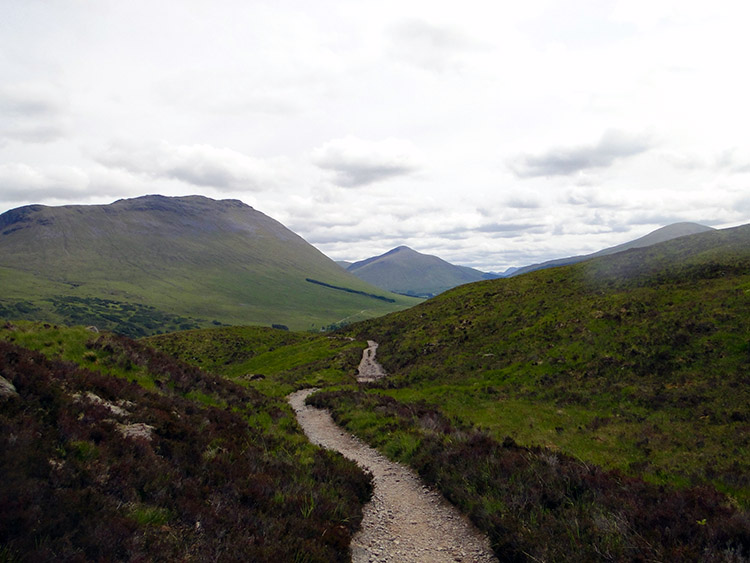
(369, 369)
(405, 521)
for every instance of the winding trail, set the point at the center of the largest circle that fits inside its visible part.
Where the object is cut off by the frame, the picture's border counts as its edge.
(405, 521)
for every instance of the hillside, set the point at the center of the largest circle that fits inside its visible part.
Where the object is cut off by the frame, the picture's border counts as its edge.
(663, 234)
(555, 407)
(592, 412)
(662, 329)
(597, 411)
(112, 451)
(406, 271)
(154, 263)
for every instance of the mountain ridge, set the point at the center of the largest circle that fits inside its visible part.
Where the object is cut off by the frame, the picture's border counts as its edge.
(662, 234)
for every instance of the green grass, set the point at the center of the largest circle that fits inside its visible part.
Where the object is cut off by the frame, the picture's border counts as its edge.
(637, 361)
(275, 362)
(536, 503)
(170, 264)
(149, 515)
(227, 465)
(517, 397)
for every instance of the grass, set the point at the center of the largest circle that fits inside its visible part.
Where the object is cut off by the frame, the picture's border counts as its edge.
(637, 361)
(598, 411)
(226, 473)
(275, 362)
(624, 380)
(537, 504)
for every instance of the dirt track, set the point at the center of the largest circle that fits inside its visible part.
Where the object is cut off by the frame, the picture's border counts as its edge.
(405, 521)
(369, 369)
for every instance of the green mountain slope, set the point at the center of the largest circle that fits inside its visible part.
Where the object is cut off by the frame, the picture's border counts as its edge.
(592, 412)
(640, 358)
(663, 234)
(406, 271)
(582, 413)
(156, 263)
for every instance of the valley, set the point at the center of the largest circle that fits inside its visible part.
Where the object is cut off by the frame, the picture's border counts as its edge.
(374, 282)
(594, 411)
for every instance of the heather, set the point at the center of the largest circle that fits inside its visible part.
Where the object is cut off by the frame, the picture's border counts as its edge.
(637, 361)
(537, 504)
(98, 467)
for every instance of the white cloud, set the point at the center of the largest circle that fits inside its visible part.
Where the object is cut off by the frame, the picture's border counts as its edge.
(357, 162)
(564, 161)
(432, 47)
(21, 181)
(199, 165)
(472, 130)
(31, 113)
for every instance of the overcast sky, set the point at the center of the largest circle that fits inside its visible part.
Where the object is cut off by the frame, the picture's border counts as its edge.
(489, 133)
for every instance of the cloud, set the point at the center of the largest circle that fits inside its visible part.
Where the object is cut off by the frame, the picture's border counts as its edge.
(523, 202)
(683, 161)
(431, 47)
(199, 165)
(356, 162)
(613, 146)
(31, 113)
(733, 161)
(507, 229)
(22, 182)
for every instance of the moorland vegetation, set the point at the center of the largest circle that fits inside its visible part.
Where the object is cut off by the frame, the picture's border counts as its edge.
(624, 380)
(592, 412)
(112, 450)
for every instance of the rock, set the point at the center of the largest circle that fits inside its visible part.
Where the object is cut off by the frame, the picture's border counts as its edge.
(7, 389)
(136, 430)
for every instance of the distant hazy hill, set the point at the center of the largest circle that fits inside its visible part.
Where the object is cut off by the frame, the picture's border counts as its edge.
(406, 271)
(155, 263)
(660, 235)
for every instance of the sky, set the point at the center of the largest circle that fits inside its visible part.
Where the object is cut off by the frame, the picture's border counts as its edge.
(489, 133)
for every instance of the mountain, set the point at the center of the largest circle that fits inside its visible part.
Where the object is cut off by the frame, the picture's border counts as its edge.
(155, 263)
(579, 395)
(590, 390)
(663, 234)
(406, 271)
(587, 412)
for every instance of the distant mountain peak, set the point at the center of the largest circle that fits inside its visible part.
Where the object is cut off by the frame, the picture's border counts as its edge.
(407, 271)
